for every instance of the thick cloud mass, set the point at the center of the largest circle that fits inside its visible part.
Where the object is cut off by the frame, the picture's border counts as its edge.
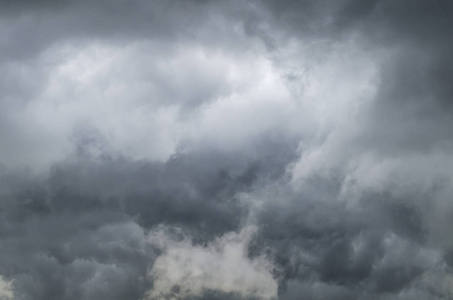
(226, 149)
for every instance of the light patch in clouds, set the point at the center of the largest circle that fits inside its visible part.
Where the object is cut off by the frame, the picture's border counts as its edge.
(185, 94)
(6, 289)
(336, 93)
(164, 95)
(185, 269)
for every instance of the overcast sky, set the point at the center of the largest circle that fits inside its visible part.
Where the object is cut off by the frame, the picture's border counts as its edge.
(214, 150)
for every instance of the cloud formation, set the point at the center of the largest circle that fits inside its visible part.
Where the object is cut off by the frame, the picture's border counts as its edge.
(226, 150)
(6, 289)
(186, 270)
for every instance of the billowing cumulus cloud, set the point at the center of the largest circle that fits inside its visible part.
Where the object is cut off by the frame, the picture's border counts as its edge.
(226, 150)
(186, 270)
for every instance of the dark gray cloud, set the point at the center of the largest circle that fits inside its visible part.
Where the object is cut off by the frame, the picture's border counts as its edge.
(80, 233)
(226, 150)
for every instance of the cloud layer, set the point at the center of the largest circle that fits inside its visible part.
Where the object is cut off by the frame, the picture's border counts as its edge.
(226, 150)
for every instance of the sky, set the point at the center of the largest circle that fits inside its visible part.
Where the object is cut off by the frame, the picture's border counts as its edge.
(202, 149)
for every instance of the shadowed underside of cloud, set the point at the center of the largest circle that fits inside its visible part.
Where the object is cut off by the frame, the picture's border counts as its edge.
(226, 150)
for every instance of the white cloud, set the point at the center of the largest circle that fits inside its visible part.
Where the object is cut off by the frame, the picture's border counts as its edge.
(6, 289)
(144, 99)
(221, 265)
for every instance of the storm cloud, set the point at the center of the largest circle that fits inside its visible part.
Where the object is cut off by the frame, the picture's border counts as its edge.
(226, 149)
